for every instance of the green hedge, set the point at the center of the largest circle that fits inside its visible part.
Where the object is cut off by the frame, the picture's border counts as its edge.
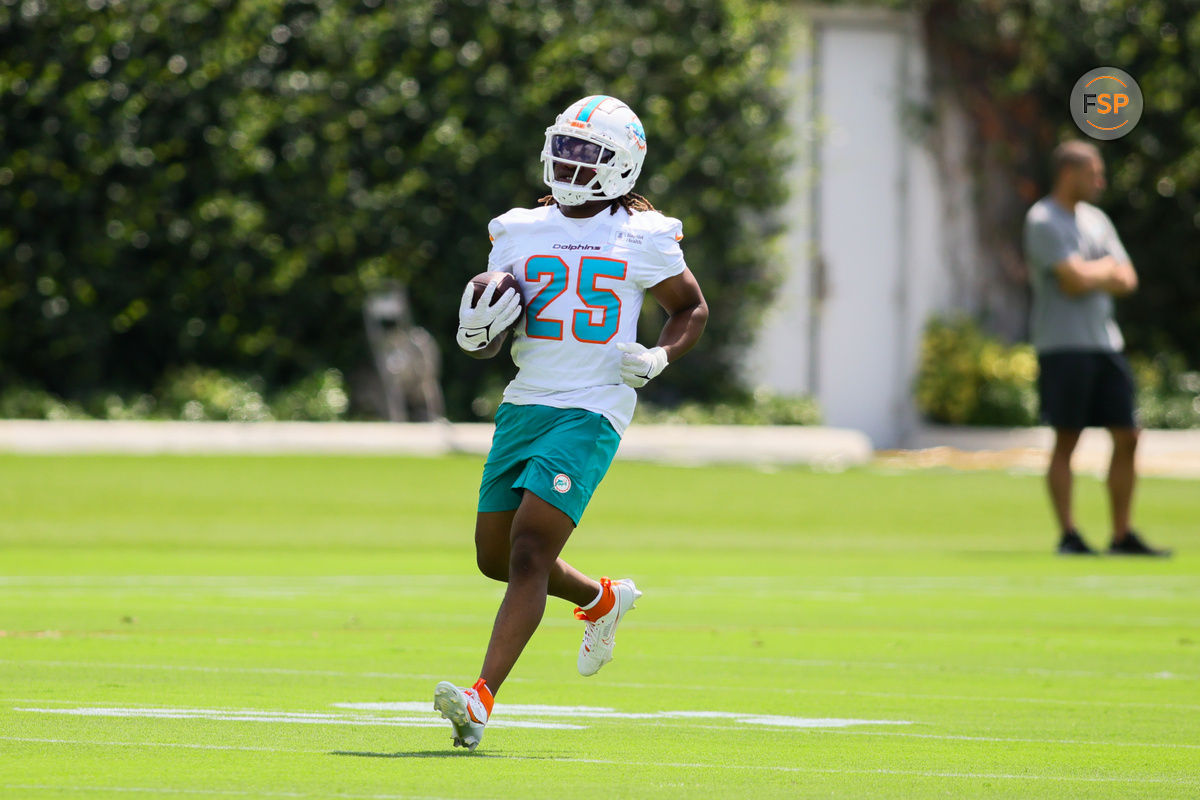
(199, 182)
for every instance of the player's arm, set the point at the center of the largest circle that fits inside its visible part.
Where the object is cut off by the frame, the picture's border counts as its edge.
(687, 311)
(1123, 281)
(1106, 274)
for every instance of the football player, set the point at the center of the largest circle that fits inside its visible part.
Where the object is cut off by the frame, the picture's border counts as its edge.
(584, 259)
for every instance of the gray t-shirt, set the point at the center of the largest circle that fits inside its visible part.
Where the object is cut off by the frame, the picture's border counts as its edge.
(1060, 321)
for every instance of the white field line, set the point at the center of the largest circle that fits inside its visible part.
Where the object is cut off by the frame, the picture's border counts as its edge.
(220, 792)
(590, 713)
(706, 583)
(184, 745)
(913, 772)
(284, 582)
(1021, 740)
(1182, 587)
(940, 668)
(692, 687)
(1080, 742)
(798, 662)
(286, 717)
(511, 716)
(959, 698)
(317, 673)
(657, 765)
(968, 698)
(576, 713)
(384, 622)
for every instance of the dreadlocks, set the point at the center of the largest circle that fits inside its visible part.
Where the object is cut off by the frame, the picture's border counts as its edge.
(630, 201)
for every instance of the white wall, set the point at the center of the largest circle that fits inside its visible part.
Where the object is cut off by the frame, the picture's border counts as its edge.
(780, 358)
(881, 209)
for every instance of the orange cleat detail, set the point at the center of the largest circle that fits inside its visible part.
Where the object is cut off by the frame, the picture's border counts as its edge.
(603, 605)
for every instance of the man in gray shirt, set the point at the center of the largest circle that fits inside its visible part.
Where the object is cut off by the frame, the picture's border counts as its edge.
(1078, 266)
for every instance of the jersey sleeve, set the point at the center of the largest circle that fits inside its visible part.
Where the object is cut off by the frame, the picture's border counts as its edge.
(1045, 246)
(502, 258)
(663, 257)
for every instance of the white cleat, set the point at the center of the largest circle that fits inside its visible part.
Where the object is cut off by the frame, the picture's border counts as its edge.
(600, 635)
(465, 711)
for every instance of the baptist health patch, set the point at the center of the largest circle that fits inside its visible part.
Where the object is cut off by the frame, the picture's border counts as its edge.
(562, 484)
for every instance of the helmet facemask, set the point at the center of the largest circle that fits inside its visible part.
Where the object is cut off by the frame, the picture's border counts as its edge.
(580, 156)
(610, 143)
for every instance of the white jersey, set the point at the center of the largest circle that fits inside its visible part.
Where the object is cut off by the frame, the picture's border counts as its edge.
(583, 282)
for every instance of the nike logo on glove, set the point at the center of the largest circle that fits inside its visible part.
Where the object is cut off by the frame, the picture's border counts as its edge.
(475, 336)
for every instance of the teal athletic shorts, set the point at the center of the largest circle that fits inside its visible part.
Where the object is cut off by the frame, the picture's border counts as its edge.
(559, 454)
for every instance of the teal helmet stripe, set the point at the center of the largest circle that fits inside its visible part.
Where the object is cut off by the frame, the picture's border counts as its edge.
(586, 113)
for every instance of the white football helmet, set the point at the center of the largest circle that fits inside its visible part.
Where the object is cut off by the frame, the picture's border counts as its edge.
(596, 133)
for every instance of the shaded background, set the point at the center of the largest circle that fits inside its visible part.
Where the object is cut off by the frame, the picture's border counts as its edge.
(197, 196)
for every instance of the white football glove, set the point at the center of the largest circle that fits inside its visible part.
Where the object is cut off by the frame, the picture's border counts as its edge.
(478, 325)
(639, 364)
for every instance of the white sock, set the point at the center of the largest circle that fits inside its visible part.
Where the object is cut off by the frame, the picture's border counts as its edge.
(597, 600)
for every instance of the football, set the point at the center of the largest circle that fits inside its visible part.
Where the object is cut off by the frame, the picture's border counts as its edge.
(505, 281)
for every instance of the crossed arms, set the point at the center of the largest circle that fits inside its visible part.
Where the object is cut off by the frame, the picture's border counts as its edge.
(1106, 274)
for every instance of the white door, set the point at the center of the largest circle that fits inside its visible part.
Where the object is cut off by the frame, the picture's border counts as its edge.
(858, 222)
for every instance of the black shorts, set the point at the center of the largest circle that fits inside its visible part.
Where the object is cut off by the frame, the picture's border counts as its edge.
(1086, 389)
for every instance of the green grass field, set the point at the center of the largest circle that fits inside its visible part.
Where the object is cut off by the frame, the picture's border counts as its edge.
(274, 627)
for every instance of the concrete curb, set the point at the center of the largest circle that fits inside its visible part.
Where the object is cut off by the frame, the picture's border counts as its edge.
(828, 448)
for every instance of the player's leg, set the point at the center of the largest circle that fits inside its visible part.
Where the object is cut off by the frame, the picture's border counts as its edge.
(493, 534)
(1122, 477)
(1065, 382)
(521, 543)
(1115, 410)
(539, 532)
(561, 454)
(491, 543)
(1059, 479)
(468, 709)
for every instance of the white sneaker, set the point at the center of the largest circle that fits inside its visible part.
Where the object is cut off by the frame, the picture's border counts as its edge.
(464, 709)
(600, 635)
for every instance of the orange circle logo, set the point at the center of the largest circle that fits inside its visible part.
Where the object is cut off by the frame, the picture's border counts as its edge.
(1106, 103)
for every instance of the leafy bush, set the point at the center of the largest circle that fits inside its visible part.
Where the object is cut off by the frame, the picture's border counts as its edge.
(967, 378)
(196, 394)
(23, 402)
(193, 394)
(217, 183)
(760, 408)
(321, 397)
(1168, 394)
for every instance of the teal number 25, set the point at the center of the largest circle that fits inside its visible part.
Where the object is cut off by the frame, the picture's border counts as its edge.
(583, 328)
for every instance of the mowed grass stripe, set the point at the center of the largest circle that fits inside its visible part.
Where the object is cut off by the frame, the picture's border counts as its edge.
(840, 666)
(297, 584)
(1110, 779)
